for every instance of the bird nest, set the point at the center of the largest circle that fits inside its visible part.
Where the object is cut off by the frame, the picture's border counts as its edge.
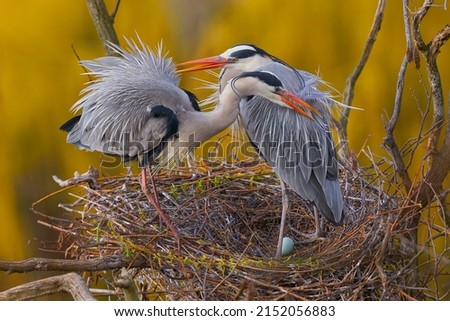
(229, 217)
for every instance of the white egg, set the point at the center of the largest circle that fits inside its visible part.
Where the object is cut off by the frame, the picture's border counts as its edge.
(287, 247)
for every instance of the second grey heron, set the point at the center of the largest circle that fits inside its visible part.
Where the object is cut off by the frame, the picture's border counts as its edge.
(299, 149)
(134, 108)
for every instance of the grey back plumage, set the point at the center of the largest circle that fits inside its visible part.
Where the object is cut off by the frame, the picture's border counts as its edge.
(118, 106)
(300, 150)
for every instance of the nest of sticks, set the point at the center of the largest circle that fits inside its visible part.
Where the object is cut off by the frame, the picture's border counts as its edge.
(229, 218)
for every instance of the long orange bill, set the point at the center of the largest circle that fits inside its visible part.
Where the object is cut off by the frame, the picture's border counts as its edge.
(203, 64)
(294, 102)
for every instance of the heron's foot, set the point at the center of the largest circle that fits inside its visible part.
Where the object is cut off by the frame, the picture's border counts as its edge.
(309, 237)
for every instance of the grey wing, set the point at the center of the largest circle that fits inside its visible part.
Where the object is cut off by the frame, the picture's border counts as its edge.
(125, 132)
(300, 151)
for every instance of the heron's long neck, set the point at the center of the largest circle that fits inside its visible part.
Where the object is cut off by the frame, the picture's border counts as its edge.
(221, 117)
(226, 75)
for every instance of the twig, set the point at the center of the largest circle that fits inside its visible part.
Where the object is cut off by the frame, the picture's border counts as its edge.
(389, 141)
(71, 283)
(90, 177)
(126, 282)
(104, 23)
(351, 80)
(115, 10)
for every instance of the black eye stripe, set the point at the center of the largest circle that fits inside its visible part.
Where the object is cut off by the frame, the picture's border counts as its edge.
(245, 53)
(265, 77)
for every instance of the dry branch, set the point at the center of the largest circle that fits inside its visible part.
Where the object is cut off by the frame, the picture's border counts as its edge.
(109, 262)
(426, 189)
(71, 283)
(351, 80)
(104, 23)
(90, 177)
(389, 141)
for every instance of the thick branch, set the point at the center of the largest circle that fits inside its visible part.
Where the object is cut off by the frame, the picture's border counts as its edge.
(99, 264)
(431, 51)
(426, 190)
(431, 185)
(71, 283)
(103, 23)
(351, 80)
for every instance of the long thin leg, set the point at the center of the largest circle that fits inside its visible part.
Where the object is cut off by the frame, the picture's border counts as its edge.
(284, 210)
(128, 176)
(318, 232)
(191, 164)
(153, 200)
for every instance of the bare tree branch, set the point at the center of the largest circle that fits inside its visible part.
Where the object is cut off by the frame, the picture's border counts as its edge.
(103, 23)
(90, 177)
(351, 80)
(425, 190)
(63, 265)
(389, 141)
(431, 185)
(430, 52)
(71, 283)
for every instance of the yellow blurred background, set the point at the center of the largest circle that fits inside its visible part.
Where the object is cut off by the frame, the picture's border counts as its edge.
(40, 78)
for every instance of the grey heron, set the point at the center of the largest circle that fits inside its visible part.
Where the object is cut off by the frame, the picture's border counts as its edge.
(299, 149)
(134, 108)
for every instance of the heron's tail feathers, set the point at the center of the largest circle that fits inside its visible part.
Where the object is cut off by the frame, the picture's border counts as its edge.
(330, 202)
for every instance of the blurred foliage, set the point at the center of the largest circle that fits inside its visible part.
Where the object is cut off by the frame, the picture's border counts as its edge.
(40, 76)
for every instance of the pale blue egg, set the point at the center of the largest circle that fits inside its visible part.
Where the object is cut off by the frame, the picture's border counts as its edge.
(287, 247)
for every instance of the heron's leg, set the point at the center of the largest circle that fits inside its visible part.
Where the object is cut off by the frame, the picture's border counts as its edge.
(318, 222)
(155, 195)
(154, 201)
(284, 210)
(192, 164)
(128, 176)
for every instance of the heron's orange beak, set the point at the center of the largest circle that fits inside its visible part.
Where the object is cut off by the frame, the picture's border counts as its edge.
(296, 103)
(204, 64)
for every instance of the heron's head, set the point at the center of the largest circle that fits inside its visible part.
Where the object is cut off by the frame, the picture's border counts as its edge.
(269, 86)
(243, 57)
